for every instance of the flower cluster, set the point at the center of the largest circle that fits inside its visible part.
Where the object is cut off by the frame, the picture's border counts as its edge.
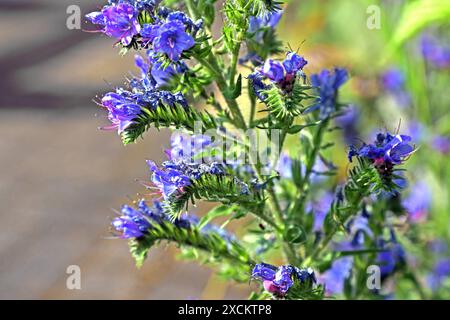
(282, 74)
(167, 32)
(118, 20)
(169, 37)
(278, 280)
(174, 175)
(387, 151)
(124, 105)
(285, 199)
(327, 84)
(134, 222)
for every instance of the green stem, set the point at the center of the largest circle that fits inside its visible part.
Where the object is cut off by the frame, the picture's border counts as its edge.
(304, 187)
(192, 9)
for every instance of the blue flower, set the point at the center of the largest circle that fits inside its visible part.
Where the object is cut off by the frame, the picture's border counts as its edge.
(169, 179)
(188, 146)
(320, 209)
(441, 144)
(334, 278)
(122, 110)
(138, 4)
(348, 122)
(358, 229)
(293, 63)
(258, 85)
(282, 74)
(171, 39)
(190, 25)
(176, 174)
(163, 74)
(124, 106)
(118, 20)
(440, 272)
(388, 150)
(393, 81)
(135, 222)
(278, 280)
(418, 203)
(434, 52)
(327, 84)
(392, 257)
(273, 70)
(258, 24)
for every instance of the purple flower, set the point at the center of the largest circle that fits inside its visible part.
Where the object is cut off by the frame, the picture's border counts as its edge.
(122, 110)
(348, 122)
(264, 271)
(393, 81)
(138, 4)
(253, 57)
(284, 166)
(327, 84)
(358, 229)
(258, 24)
(168, 179)
(386, 151)
(188, 146)
(278, 280)
(441, 144)
(284, 278)
(392, 257)
(119, 21)
(293, 63)
(418, 202)
(282, 74)
(320, 209)
(176, 174)
(258, 85)
(163, 74)
(269, 20)
(440, 272)
(273, 70)
(334, 278)
(134, 222)
(434, 52)
(171, 39)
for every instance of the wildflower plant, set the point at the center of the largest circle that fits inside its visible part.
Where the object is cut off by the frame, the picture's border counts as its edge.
(318, 240)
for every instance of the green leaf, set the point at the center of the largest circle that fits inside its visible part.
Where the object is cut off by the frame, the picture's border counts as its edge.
(216, 188)
(166, 116)
(139, 249)
(294, 234)
(210, 242)
(416, 16)
(297, 128)
(218, 211)
(236, 91)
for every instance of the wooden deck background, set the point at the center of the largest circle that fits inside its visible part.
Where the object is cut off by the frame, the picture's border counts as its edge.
(60, 176)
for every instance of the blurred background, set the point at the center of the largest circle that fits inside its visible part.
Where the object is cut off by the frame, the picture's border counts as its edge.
(61, 175)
